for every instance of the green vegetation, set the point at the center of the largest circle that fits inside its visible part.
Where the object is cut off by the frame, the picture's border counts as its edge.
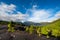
(10, 27)
(31, 29)
(39, 31)
(27, 29)
(54, 26)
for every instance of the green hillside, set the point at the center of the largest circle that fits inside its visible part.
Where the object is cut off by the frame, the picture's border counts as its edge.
(54, 26)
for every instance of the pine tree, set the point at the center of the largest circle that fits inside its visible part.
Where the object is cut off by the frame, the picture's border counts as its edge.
(31, 29)
(39, 31)
(10, 27)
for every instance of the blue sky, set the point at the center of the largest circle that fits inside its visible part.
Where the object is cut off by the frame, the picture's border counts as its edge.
(30, 10)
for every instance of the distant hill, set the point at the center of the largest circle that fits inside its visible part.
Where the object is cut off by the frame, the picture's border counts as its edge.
(28, 23)
(35, 24)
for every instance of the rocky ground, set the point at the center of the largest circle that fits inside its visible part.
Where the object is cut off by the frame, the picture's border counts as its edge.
(22, 35)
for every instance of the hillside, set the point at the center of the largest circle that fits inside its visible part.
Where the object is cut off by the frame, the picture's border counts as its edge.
(54, 26)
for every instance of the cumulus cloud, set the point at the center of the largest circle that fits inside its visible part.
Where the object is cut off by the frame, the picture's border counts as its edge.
(39, 15)
(7, 13)
(57, 14)
(42, 15)
(55, 17)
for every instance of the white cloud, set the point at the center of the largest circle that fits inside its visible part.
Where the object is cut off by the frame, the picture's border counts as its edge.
(34, 6)
(58, 14)
(55, 17)
(7, 8)
(43, 15)
(39, 15)
(7, 13)
(33, 14)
